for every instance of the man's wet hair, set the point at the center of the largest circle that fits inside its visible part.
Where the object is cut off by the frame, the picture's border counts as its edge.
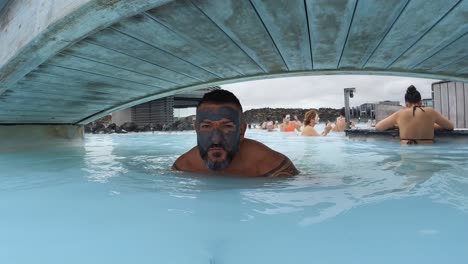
(220, 96)
(412, 95)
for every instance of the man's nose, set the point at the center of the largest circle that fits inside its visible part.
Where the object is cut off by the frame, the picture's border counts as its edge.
(216, 136)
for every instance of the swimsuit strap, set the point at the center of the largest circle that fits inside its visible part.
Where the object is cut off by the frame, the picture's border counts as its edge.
(416, 106)
(414, 141)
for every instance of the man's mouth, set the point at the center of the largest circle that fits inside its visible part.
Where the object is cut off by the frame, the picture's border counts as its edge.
(216, 148)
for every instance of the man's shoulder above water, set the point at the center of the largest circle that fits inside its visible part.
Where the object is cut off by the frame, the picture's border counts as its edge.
(264, 161)
(254, 159)
(188, 161)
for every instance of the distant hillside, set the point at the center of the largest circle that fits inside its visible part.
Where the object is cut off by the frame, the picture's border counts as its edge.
(257, 116)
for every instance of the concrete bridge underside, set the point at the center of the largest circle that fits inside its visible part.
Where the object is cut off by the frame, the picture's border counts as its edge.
(70, 62)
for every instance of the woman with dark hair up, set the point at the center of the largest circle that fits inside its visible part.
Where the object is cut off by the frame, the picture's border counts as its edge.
(416, 123)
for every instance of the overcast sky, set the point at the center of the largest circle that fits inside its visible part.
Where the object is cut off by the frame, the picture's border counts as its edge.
(322, 91)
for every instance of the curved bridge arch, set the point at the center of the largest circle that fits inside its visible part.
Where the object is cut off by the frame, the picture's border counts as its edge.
(91, 57)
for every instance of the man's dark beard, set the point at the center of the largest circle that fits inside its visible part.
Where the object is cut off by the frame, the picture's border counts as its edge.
(216, 166)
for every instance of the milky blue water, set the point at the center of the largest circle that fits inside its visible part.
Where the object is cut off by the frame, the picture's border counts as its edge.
(113, 199)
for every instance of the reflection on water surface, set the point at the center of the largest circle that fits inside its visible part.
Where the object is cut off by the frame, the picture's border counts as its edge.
(116, 197)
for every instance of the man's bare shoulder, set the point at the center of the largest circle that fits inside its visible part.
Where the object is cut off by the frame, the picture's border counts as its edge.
(250, 144)
(269, 163)
(186, 161)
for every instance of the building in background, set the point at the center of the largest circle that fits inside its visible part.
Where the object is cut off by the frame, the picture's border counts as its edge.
(377, 111)
(387, 102)
(367, 110)
(386, 108)
(160, 111)
(451, 100)
(428, 102)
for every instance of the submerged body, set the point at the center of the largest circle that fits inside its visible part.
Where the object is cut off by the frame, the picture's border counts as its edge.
(288, 127)
(340, 124)
(310, 120)
(254, 159)
(416, 123)
(221, 147)
(417, 128)
(310, 130)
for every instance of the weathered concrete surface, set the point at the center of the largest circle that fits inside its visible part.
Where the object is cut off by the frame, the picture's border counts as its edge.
(23, 136)
(3, 3)
(70, 62)
(34, 30)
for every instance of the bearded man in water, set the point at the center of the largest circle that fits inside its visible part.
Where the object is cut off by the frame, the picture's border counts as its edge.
(222, 148)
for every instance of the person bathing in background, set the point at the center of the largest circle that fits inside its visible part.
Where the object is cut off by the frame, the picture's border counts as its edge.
(222, 148)
(340, 123)
(270, 126)
(265, 124)
(416, 123)
(276, 125)
(289, 125)
(311, 118)
(297, 123)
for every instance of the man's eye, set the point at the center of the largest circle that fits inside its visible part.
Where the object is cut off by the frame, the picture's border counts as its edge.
(229, 125)
(205, 126)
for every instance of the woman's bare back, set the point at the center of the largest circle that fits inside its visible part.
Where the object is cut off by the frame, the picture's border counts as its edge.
(418, 126)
